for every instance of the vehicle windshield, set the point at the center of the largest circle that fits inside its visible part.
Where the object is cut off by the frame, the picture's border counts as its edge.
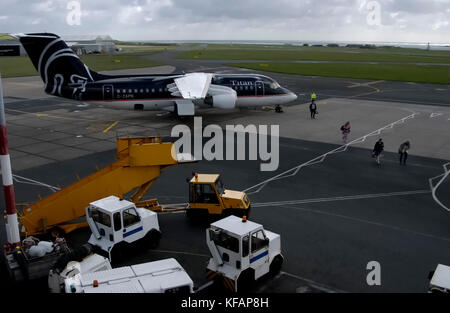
(100, 217)
(219, 187)
(228, 242)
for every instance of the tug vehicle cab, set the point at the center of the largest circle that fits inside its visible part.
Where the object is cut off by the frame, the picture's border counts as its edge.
(242, 252)
(208, 197)
(116, 222)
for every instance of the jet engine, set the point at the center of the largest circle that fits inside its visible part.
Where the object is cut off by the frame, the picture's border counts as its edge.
(221, 97)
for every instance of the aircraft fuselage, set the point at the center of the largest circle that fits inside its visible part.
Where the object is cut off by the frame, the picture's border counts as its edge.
(151, 92)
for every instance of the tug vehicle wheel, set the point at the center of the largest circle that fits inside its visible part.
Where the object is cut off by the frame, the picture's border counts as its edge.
(245, 281)
(276, 264)
(152, 238)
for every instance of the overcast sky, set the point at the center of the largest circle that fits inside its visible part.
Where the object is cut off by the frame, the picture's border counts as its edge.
(331, 20)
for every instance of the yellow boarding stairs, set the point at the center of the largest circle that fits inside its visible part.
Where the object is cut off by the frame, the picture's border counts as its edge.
(140, 162)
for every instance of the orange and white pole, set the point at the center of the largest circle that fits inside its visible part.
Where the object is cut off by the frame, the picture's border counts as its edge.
(12, 225)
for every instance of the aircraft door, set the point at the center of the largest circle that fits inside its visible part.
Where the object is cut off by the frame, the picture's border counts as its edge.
(132, 225)
(259, 249)
(108, 92)
(259, 86)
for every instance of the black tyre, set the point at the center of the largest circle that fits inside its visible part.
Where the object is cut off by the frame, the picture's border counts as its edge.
(190, 214)
(152, 239)
(198, 216)
(275, 266)
(118, 253)
(245, 281)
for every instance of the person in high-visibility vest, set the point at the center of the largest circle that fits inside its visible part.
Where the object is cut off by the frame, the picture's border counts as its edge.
(313, 96)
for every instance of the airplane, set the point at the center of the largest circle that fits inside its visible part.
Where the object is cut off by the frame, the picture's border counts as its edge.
(65, 75)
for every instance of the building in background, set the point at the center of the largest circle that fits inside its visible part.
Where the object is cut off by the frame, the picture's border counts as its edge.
(88, 44)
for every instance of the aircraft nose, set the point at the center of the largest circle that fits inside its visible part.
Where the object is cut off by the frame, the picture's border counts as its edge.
(291, 96)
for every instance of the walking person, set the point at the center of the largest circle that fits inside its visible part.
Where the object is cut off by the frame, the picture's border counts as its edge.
(313, 96)
(377, 149)
(345, 129)
(403, 152)
(313, 109)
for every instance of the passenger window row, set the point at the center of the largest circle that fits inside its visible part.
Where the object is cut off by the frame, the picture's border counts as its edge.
(142, 90)
(242, 87)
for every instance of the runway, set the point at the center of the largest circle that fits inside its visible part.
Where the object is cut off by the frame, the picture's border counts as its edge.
(335, 209)
(325, 87)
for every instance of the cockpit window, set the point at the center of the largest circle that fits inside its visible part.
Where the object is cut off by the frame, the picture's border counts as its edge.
(274, 85)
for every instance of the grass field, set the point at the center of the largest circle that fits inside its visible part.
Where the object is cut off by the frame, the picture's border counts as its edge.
(22, 66)
(4, 36)
(116, 61)
(129, 57)
(397, 72)
(289, 53)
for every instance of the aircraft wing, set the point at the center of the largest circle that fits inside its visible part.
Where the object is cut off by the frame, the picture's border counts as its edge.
(191, 86)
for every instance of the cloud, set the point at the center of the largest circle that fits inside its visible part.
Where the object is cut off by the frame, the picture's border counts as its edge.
(440, 24)
(335, 20)
(45, 6)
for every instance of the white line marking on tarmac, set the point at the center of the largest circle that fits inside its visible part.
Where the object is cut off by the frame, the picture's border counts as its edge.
(435, 187)
(313, 283)
(341, 198)
(353, 85)
(433, 115)
(29, 181)
(204, 286)
(321, 158)
(365, 94)
(369, 222)
(265, 204)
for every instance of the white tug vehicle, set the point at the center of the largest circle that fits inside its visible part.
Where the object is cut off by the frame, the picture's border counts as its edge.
(242, 252)
(116, 223)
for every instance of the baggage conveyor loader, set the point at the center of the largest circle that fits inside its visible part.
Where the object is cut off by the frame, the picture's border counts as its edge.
(140, 162)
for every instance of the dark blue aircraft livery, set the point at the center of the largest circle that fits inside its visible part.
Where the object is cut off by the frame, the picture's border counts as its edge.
(65, 75)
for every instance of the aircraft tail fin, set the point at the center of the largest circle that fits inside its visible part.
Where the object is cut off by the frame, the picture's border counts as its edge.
(57, 64)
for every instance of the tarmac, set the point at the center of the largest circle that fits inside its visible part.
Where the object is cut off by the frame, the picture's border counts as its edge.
(336, 210)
